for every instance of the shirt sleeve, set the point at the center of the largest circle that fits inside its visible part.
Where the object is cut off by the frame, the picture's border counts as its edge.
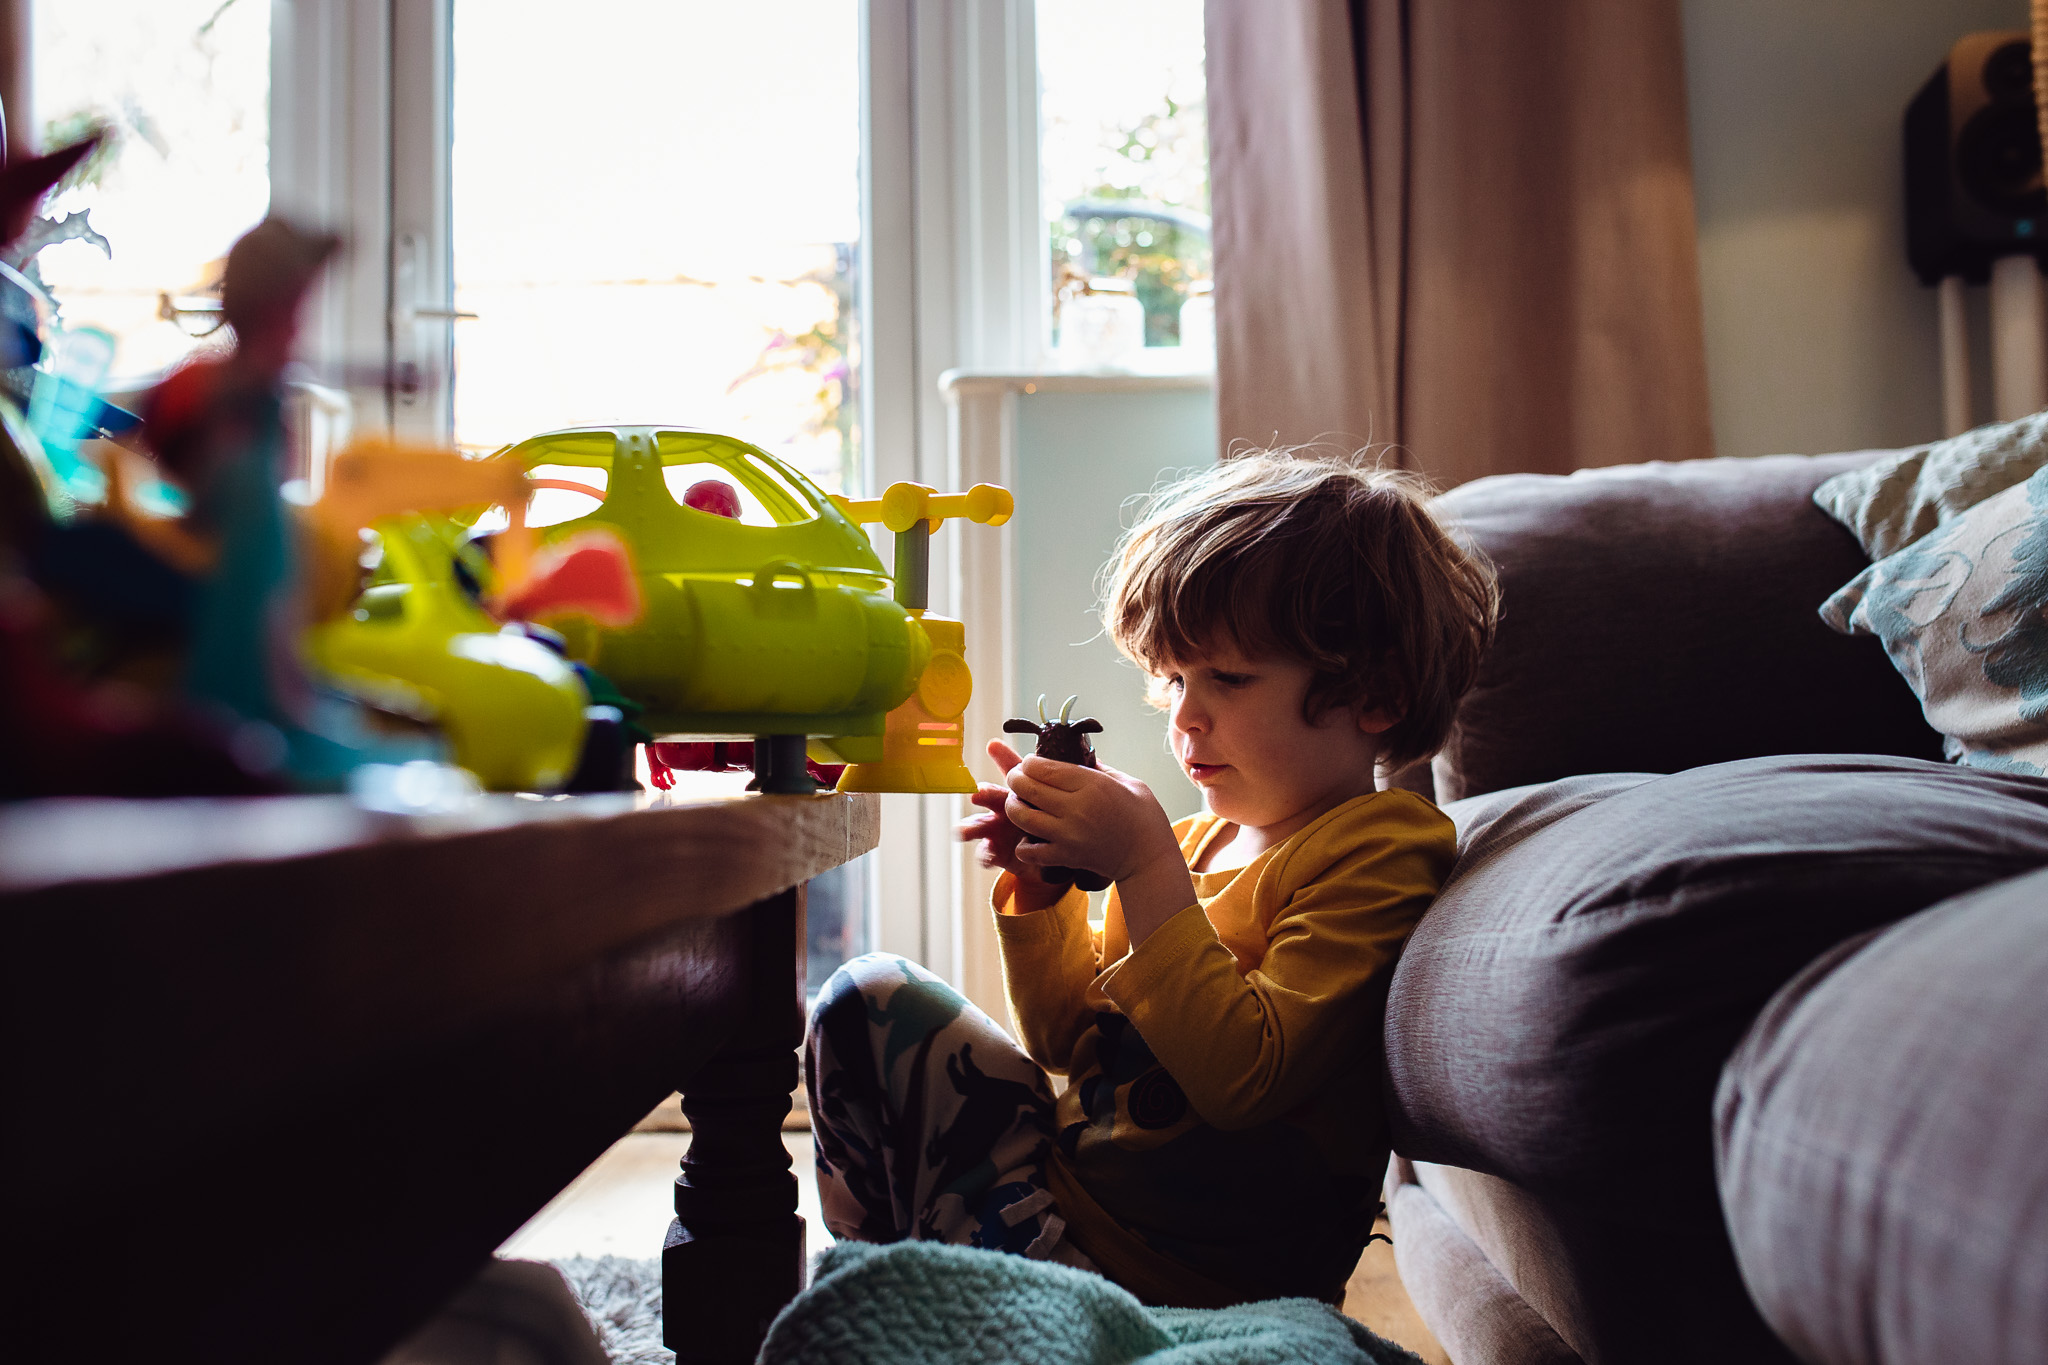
(1049, 959)
(1248, 1048)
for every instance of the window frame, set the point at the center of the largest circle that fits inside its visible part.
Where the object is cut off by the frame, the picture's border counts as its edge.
(359, 135)
(957, 275)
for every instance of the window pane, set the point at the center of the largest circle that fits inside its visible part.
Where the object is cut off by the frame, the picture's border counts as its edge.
(835, 920)
(1124, 152)
(657, 221)
(183, 87)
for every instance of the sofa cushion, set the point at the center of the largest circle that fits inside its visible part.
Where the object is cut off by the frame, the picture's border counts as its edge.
(1960, 613)
(1562, 1012)
(1879, 1138)
(1662, 616)
(1891, 502)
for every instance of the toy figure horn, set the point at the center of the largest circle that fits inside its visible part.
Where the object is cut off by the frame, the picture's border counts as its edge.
(24, 183)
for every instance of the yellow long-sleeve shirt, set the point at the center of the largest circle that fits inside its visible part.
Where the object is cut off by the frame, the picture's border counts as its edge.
(1221, 1137)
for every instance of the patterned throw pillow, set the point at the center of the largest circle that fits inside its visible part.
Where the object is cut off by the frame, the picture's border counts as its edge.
(1963, 613)
(1892, 502)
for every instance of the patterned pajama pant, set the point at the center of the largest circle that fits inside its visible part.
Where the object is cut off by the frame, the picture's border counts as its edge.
(930, 1122)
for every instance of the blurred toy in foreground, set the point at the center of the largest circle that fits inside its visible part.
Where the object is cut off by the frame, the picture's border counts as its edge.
(59, 734)
(444, 628)
(215, 425)
(1064, 741)
(30, 492)
(278, 669)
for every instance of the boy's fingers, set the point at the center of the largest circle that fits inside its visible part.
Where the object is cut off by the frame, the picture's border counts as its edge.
(1037, 855)
(1125, 780)
(1066, 777)
(1005, 757)
(1029, 819)
(1048, 798)
(990, 797)
(977, 827)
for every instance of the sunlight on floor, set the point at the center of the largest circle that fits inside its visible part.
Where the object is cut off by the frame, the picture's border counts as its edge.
(622, 1204)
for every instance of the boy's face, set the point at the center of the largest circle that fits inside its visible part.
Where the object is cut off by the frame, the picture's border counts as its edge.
(1235, 725)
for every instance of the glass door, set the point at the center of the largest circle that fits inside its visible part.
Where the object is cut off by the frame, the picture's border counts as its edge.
(655, 218)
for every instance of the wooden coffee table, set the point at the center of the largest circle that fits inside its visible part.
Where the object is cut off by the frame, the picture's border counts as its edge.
(280, 1074)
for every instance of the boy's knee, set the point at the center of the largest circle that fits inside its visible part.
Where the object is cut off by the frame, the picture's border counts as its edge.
(850, 993)
(843, 990)
(881, 990)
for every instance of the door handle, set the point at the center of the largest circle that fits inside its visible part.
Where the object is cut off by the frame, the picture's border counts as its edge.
(408, 348)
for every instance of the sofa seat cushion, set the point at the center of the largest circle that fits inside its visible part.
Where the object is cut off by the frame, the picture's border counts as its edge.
(1562, 1013)
(1879, 1137)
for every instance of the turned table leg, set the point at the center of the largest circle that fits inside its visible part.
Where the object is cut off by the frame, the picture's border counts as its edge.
(735, 1252)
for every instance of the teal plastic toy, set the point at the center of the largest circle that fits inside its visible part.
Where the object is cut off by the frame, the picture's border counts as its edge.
(782, 630)
(64, 400)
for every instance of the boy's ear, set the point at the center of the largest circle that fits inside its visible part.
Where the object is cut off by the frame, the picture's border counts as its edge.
(1377, 720)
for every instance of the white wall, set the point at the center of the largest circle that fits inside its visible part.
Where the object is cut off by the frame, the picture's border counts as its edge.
(1818, 336)
(1080, 456)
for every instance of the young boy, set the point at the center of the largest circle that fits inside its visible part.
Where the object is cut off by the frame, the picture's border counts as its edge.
(1220, 1137)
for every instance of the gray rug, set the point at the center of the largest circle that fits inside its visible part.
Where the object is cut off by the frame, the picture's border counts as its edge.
(622, 1297)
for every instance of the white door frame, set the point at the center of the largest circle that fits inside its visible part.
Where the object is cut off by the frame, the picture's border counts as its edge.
(359, 136)
(956, 275)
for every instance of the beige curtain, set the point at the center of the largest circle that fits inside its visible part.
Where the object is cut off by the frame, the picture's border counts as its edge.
(1461, 227)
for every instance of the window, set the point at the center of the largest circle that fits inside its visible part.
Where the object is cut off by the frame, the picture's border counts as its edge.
(656, 219)
(1124, 154)
(182, 88)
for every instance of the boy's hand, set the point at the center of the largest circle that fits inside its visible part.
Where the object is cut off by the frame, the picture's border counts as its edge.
(999, 838)
(1104, 821)
(1093, 818)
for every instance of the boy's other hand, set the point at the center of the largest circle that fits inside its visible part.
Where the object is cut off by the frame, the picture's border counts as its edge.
(999, 838)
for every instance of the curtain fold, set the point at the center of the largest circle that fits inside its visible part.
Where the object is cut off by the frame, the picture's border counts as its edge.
(1463, 228)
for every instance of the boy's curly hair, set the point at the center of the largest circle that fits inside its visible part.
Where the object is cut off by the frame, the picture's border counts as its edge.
(1341, 567)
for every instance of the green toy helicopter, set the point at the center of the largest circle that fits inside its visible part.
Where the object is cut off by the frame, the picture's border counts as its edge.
(768, 615)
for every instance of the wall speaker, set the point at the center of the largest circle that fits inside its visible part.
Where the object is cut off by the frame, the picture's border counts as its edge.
(1974, 188)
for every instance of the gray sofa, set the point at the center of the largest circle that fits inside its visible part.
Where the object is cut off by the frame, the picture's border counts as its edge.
(1728, 1038)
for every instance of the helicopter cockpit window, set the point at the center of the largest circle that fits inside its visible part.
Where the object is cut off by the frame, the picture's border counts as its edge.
(553, 502)
(763, 496)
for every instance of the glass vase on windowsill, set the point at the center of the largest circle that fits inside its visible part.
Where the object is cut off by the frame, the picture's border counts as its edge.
(1102, 325)
(1102, 331)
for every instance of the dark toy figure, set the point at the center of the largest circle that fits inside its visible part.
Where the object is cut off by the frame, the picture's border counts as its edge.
(1063, 741)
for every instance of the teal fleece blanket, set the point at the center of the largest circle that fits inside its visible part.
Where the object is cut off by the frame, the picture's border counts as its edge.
(921, 1302)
